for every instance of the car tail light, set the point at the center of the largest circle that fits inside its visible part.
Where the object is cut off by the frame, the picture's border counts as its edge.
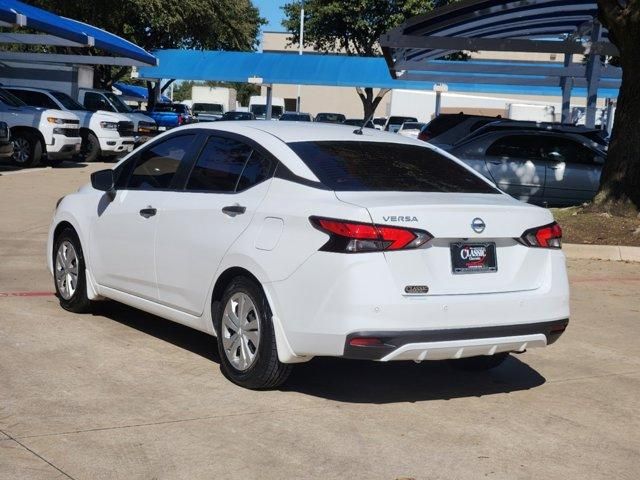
(180, 119)
(354, 237)
(547, 236)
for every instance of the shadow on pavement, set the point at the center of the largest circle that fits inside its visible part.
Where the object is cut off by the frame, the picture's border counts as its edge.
(5, 167)
(352, 381)
(174, 333)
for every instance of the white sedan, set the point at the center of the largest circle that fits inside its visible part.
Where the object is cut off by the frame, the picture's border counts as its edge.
(289, 240)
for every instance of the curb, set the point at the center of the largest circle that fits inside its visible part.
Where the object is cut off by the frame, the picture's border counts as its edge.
(602, 252)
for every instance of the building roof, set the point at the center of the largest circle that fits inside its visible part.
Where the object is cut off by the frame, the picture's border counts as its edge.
(14, 12)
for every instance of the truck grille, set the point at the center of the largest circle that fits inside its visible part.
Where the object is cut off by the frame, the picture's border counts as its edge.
(67, 132)
(125, 129)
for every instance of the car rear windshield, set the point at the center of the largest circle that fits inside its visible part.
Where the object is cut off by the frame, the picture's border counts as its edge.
(401, 120)
(378, 166)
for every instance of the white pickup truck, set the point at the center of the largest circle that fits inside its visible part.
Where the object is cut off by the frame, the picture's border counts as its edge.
(39, 133)
(104, 134)
(95, 100)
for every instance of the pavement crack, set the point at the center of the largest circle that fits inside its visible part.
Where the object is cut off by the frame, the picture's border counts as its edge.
(33, 452)
(169, 422)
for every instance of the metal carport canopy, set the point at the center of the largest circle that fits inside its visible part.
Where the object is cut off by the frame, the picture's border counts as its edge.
(64, 32)
(536, 26)
(275, 68)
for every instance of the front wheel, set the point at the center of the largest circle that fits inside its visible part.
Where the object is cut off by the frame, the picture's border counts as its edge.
(69, 272)
(481, 363)
(90, 147)
(27, 149)
(246, 338)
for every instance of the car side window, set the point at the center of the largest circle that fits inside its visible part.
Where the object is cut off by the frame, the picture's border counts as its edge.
(257, 169)
(95, 101)
(561, 149)
(36, 99)
(156, 166)
(220, 166)
(517, 146)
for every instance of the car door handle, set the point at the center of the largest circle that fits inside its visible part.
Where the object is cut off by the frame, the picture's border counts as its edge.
(148, 212)
(233, 210)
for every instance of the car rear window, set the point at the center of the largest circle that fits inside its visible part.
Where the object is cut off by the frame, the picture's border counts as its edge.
(378, 166)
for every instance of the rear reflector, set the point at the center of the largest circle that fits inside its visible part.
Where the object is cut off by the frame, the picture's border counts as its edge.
(353, 237)
(365, 342)
(547, 236)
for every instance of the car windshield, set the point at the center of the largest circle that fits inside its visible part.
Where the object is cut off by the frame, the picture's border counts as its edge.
(295, 117)
(237, 116)
(330, 117)
(401, 120)
(10, 99)
(379, 121)
(117, 103)
(412, 125)
(260, 111)
(66, 101)
(207, 107)
(378, 166)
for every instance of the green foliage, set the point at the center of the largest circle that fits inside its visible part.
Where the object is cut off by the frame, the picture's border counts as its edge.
(353, 26)
(154, 24)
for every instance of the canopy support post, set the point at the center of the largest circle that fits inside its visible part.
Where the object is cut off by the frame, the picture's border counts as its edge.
(593, 78)
(567, 85)
(269, 101)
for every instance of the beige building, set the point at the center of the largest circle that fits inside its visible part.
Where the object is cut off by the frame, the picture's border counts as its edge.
(315, 99)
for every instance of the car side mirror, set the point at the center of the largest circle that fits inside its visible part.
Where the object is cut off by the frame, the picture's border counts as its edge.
(104, 181)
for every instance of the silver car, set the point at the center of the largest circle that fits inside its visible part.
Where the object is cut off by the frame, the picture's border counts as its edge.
(545, 168)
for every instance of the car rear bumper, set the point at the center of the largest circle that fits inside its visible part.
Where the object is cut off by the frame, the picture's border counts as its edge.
(453, 343)
(325, 303)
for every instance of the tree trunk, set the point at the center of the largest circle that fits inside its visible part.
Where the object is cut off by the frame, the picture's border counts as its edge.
(369, 102)
(619, 190)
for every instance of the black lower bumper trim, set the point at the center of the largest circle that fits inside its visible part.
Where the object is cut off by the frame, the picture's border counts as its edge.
(392, 340)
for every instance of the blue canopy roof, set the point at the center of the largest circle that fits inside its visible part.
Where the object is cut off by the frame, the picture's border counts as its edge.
(18, 13)
(135, 92)
(330, 70)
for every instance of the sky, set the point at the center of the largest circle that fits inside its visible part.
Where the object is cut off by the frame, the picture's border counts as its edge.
(270, 9)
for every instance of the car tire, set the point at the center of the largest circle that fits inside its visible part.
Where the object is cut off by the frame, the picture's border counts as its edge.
(241, 319)
(27, 149)
(69, 276)
(480, 363)
(90, 147)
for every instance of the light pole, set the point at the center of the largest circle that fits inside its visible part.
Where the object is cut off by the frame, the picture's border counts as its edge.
(300, 50)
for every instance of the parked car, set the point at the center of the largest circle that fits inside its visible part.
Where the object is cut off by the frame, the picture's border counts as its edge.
(103, 134)
(596, 136)
(207, 112)
(171, 115)
(545, 168)
(258, 106)
(379, 122)
(39, 133)
(410, 129)
(395, 122)
(448, 128)
(295, 117)
(292, 241)
(330, 118)
(238, 115)
(6, 145)
(358, 122)
(144, 127)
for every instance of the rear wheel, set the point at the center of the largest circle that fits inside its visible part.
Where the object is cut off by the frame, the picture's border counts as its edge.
(481, 363)
(90, 147)
(246, 338)
(27, 149)
(69, 272)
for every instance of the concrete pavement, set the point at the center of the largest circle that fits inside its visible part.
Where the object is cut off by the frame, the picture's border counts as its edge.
(124, 395)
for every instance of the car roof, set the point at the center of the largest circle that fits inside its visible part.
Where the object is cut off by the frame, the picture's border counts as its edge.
(303, 131)
(32, 89)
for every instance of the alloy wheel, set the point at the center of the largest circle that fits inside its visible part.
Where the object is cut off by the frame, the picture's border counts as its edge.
(66, 270)
(240, 331)
(21, 150)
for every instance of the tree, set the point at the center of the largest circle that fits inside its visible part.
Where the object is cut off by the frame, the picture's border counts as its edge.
(155, 24)
(352, 27)
(620, 180)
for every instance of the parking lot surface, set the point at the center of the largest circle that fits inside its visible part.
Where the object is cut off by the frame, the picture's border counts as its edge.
(121, 394)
